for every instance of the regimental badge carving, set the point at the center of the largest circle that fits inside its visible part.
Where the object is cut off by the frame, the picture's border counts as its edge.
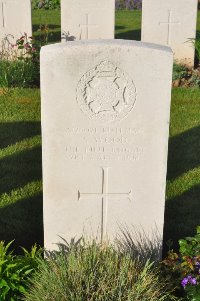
(106, 93)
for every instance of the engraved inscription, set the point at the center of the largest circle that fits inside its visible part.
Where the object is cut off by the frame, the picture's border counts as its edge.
(106, 93)
(105, 196)
(169, 24)
(86, 26)
(103, 153)
(104, 144)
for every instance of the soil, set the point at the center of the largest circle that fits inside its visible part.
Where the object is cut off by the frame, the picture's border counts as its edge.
(190, 79)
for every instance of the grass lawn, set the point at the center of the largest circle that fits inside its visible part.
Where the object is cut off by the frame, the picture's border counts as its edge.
(128, 25)
(20, 150)
(20, 165)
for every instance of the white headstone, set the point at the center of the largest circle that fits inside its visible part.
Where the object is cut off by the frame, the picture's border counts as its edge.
(172, 23)
(15, 19)
(105, 120)
(87, 19)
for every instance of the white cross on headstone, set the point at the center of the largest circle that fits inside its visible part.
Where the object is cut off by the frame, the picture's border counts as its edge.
(86, 27)
(169, 23)
(105, 196)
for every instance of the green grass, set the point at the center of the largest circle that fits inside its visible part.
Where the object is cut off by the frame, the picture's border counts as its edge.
(20, 151)
(81, 273)
(20, 165)
(128, 24)
(183, 179)
(50, 29)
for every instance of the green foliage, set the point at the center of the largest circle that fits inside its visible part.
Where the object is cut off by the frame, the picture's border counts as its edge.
(184, 267)
(18, 74)
(46, 4)
(23, 70)
(196, 44)
(190, 246)
(179, 72)
(95, 272)
(14, 272)
(195, 80)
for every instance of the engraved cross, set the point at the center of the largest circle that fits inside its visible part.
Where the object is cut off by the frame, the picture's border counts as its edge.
(105, 196)
(87, 25)
(169, 24)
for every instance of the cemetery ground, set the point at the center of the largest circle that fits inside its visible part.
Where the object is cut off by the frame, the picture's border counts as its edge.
(20, 162)
(21, 217)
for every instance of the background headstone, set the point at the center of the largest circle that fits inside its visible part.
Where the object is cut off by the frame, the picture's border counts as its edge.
(87, 19)
(15, 19)
(105, 120)
(172, 23)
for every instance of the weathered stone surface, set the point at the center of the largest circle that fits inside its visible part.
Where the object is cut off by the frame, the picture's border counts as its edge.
(105, 120)
(87, 19)
(15, 19)
(172, 23)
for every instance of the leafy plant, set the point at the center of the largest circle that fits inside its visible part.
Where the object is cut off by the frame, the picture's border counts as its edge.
(185, 266)
(14, 272)
(195, 80)
(46, 4)
(128, 4)
(196, 44)
(95, 272)
(179, 72)
(23, 69)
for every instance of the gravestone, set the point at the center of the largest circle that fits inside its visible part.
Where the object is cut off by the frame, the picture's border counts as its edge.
(87, 19)
(172, 23)
(15, 19)
(105, 120)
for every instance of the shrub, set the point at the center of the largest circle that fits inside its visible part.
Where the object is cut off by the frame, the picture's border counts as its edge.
(19, 64)
(184, 267)
(14, 272)
(95, 272)
(128, 4)
(55, 4)
(18, 74)
(46, 4)
(179, 72)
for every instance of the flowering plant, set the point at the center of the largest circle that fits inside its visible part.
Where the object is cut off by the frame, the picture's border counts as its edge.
(185, 266)
(25, 46)
(128, 4)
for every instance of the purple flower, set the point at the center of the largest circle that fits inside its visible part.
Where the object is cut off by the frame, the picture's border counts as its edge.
(197, 265)
(188, 280)
(193, 281)
(184, 282)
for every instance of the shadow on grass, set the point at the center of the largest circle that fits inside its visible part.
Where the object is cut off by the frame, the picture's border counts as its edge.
(117, 27)
(182, 212)
(182, 216)
(11, 133)
(38, 27)
(52, 37)
(129, 35)
(20, 169)
(183, 153)
(23, 223)
(42, 31)
(22, 220)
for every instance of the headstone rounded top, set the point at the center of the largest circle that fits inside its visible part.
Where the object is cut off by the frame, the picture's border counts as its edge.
(104, 43)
